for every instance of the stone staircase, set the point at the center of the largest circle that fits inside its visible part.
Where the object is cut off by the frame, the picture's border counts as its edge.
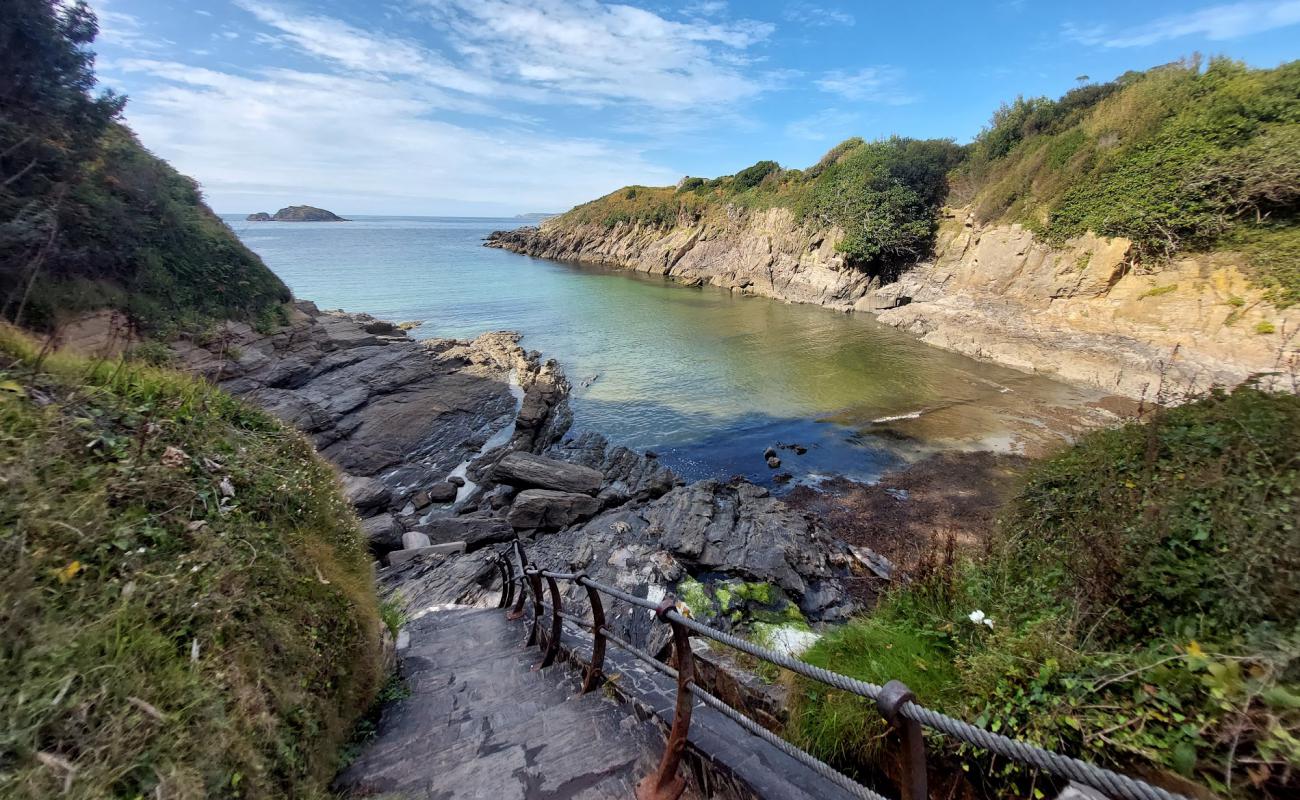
(480, 722)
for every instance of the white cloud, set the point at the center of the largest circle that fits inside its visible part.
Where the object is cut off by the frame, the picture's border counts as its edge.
(283, 136)
(362, 51)
(879, 84)
(830, 123)
(125, 30)
(597, 53)
(1216, 23)
(817, 16)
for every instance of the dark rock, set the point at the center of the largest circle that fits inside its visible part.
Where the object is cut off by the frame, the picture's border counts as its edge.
(799, 449)
(365, 493)
(782, 477)
(773, 462)
(630, 474)
(381, 327)
(456, 480)
(442, 492)
(260, 216)
(306, 214)
(383, 533)
(421, 500)
(651, 454)
(545, 509)
(769, 453)
(526, 469)
(474, 531)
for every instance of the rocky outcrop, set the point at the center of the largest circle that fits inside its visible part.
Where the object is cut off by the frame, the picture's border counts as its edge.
(260, 216)
(1083, 311)
(448, 447)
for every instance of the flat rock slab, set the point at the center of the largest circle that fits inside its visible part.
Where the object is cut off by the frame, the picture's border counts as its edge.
(479, 723)
(526, 469)
(402, 556)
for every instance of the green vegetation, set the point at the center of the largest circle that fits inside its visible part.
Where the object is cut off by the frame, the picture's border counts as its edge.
(1144, 611)
(885, 196)
(1183, 157)
(1177, 158)
(187, 606)
(88, 218)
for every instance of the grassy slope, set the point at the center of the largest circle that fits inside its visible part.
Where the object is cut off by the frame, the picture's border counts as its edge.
(1178, 159)
(1145, 603)
(158, 632)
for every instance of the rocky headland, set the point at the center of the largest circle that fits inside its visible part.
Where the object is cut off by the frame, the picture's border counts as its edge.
(1086, 311)
(447, 446)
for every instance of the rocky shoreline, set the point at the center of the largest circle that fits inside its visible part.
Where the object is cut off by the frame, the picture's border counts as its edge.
(1085, 311)
(447, 446)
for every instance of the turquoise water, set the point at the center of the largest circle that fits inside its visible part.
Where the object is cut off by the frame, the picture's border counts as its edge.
(705, 378)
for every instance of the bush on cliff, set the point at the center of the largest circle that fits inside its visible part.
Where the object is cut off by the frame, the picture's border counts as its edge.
(187, 607)
(1176, 158)
(89, 218)
(1145, 609)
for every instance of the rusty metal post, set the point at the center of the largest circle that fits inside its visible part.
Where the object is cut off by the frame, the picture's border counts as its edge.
(553, 639)
(534, 633)
(665, 783)
(518, 611)
(913, 780)
(507, 588)
(595, 670)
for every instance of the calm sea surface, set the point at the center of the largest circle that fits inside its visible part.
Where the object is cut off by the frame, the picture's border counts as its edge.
(705, 378)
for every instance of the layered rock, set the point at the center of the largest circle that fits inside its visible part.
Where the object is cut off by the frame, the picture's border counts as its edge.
(1084, 311)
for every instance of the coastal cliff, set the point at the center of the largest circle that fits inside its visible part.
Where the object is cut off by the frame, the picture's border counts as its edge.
(1084, 310)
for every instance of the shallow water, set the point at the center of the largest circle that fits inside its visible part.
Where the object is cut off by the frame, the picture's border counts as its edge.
(706, 378)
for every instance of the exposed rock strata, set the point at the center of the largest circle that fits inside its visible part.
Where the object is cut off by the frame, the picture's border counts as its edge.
(1082, 312)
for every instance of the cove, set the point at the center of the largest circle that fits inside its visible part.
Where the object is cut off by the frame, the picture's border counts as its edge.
(705, 378)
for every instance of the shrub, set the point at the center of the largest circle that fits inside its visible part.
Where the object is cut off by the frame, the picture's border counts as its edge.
(187, 608)
(1145, 605)
(749, 177)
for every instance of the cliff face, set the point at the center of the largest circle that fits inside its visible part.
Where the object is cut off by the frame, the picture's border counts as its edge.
(1084, 312)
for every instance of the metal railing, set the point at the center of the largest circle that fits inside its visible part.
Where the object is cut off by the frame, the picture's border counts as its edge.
(896, 703)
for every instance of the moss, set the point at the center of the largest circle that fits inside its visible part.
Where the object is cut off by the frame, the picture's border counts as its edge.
(1264, 327)
(1159, 291)
(695, 595)
(188, 606)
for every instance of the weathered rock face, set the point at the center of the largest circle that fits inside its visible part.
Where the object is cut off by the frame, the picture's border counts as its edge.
(765, 253)
(526, 469)
(397, 416)
(1082, 312)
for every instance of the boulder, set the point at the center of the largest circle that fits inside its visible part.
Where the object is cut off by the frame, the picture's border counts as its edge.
(475, 532)
(773, 462)
(546, 509)
(456, 480)
(528, 470)
(442, 492)
(365, 493)
(383, 533)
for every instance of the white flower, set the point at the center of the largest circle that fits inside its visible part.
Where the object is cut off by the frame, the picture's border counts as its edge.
(978, 618)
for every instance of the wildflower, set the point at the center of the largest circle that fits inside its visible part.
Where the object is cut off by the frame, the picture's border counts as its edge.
(979, 618)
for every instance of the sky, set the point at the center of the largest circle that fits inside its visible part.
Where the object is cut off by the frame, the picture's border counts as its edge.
(500, 107)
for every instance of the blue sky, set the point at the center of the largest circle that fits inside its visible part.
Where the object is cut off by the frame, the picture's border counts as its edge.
(483, 107)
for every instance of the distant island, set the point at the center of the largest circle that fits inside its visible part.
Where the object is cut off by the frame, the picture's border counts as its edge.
(537, 216)
(297, 214)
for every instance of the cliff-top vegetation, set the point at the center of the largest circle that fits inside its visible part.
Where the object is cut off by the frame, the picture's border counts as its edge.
(1181, 158)
(90, 219)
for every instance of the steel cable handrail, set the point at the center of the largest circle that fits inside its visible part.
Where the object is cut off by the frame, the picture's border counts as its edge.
(903, 705)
